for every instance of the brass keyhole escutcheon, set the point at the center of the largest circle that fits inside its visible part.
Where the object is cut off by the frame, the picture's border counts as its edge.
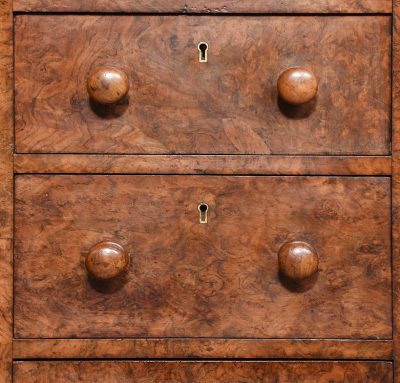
(203, 52)
(203, 209)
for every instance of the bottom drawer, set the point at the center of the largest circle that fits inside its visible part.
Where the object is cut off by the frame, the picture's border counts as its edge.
(196, 372)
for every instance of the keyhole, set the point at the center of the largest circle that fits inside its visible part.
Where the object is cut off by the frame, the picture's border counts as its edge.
(203, 48)
(203, 209)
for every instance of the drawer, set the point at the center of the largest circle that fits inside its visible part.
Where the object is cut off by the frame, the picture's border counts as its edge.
(227, 105)
(127, 256)
(200, 372)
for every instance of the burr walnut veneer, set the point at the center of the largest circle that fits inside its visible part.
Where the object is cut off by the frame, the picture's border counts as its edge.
(229, 105)
(199, 191)
(221, 372)
(185, 279)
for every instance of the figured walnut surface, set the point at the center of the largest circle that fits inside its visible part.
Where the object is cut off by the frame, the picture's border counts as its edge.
(396, 188)
(200, 372)
(217, 164)
(187, 279)
(228, 105)
(205, 6)
(180, 348)
(6, 188)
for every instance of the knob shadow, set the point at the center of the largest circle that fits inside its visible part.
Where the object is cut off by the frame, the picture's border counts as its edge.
(110, 286)
(297, 112)
(110, 111)
(298, 286)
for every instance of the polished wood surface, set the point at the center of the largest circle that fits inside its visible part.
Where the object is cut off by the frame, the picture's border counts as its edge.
(6, 139)
(396, 188)
(297, 260)
(202, 348)
(229, 105)
(6, 189)
(200, 372)
(6, 309)
(350, 114)
(207, 6)
(188, 279)
(297, 86)
(106, 260)
(107, 85)
(178, 164)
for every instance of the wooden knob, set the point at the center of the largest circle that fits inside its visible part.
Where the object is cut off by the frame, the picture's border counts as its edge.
(297, 260)
(106, 260)
(297, 86)
(107, 85)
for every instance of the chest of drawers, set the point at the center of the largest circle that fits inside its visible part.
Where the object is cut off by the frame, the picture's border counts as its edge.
(199, 191)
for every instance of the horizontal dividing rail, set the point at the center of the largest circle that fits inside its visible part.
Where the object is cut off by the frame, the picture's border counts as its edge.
(176, 348)
(198, 164)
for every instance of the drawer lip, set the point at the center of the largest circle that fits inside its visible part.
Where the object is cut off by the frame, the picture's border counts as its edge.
(206, 6)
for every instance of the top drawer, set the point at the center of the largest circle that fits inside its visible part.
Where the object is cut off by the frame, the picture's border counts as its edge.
(227, 105)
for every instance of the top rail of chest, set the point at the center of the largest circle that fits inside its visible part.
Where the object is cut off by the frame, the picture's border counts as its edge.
(206, 6)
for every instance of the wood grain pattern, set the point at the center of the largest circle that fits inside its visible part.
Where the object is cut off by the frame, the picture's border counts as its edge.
(6, 184)
(180, 106)
(6, 122)
(396, 187)
(6, 310)
(190, 280)
(200, 372)
(206, 6)
(202, 348)
(170, 164)
(193, 348)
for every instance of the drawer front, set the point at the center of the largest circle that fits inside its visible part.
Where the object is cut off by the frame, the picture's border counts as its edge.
(200, 372)
(190, 279)
(227, 105)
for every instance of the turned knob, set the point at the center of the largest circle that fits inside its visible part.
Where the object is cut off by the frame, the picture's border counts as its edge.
(107, 85)
(297, 260)
(297, 86)
(106, 260)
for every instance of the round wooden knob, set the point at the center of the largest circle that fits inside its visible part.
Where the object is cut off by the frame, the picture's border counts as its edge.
(106, 260)
(107, 85)
(297, 260)
(297, 86)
